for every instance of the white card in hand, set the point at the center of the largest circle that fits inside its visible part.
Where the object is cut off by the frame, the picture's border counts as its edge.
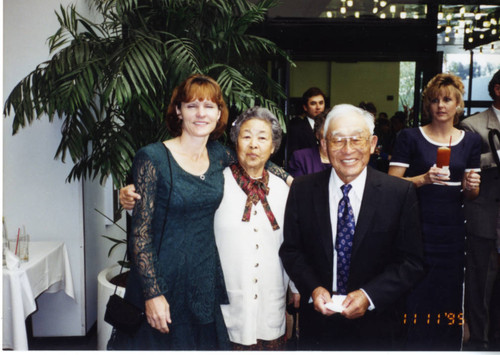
(336, 304)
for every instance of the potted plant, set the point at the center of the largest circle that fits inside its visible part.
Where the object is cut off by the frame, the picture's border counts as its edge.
(110, 280)
(110, 82)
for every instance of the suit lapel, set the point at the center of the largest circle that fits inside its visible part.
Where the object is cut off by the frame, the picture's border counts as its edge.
(367, 210)
(493, 122)
(322, 212)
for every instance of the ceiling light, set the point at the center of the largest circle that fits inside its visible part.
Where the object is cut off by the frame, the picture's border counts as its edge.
(356, 14)
(343, 10)
(383, 3)
(329, 14)
(375, 10)
(350, 3)
(382, 15)
(449, 17)
(440, 15)
(392, 9)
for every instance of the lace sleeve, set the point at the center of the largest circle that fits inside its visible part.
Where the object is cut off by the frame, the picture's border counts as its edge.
(231, 158)
(141, 244)
(277, 170)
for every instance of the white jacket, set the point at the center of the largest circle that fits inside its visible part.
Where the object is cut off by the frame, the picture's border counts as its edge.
(255, 279)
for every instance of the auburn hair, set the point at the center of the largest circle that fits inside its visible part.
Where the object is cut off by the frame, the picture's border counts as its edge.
(196, 87)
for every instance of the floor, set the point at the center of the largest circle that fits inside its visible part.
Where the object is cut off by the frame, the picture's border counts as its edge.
(88, 342)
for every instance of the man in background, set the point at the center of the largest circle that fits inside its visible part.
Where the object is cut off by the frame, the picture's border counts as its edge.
(483, 216)
(300, 133)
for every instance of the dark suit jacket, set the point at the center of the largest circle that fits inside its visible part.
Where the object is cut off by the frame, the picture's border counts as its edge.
(482, 213)
(387, 256)
(300, 135)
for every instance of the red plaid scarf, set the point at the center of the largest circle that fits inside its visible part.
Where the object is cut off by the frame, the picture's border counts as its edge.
(256, 190)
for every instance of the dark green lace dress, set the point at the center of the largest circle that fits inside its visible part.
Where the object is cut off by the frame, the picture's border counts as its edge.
(187, 270)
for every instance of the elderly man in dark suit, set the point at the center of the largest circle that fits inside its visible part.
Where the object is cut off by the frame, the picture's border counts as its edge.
(483, 215)
(352, 231)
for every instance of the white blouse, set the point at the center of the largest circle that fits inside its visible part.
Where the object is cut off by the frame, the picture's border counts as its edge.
(256, 281)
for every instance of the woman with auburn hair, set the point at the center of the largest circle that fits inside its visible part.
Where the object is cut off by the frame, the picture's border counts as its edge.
(176, 274)
(435, 307)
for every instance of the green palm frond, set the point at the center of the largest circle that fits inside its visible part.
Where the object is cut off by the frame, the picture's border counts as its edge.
(110, 81)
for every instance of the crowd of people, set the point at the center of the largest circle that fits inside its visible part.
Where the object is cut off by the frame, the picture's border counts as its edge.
(363, 231)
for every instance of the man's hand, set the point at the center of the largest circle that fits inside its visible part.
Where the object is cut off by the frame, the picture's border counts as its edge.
(355, 305)
(128, 197)
(320, 297)
(295, 299)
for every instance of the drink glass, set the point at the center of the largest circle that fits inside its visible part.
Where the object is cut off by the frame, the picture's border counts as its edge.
(23, 248)
(443, 157)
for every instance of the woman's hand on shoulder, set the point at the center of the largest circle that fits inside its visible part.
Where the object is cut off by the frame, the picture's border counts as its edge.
(158, 313)
(128, 197)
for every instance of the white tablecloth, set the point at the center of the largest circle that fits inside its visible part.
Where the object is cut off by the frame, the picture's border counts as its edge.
(48, 270)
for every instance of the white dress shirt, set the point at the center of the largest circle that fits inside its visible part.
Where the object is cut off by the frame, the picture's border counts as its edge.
(355, 197)
(311, 122)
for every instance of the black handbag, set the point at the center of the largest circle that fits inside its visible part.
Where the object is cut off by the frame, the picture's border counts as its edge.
(120, 313)
(123, 315)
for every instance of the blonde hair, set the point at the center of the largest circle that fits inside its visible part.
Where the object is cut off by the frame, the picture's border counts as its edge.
(447, 84)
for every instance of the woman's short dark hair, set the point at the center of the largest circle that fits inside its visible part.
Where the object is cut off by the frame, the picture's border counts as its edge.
(451, 85)
(196, 87)
(319, 121)
(260, 113)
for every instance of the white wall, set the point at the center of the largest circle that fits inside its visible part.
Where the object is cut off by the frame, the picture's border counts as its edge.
(35, 191)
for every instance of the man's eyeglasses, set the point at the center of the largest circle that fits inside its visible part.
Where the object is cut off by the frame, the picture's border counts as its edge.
(356, 142)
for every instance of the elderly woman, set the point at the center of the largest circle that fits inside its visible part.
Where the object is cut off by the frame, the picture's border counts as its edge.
(435, 308)
(249, 232)
(311, 160)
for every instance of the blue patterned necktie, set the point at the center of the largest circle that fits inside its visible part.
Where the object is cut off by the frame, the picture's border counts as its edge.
(343, 242)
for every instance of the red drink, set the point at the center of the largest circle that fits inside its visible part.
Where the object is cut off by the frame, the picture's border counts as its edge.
(443, 157)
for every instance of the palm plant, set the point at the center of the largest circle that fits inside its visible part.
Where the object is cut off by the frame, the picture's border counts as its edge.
(110, 81)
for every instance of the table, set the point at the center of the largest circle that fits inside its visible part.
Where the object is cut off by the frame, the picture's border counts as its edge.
(48, 270)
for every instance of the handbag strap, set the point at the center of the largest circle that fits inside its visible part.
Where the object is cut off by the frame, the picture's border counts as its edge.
(166, 213)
